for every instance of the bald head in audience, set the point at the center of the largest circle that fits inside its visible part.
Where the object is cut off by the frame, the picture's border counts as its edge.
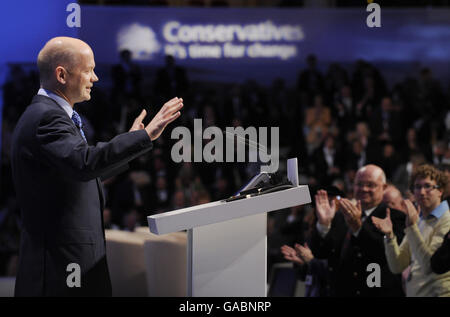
(392, 197)
(369, 186)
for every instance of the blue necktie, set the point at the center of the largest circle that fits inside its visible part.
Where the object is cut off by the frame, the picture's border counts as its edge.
(77, 120)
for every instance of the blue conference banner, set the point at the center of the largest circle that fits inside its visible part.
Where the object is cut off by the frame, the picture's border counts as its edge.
(277, 34)
(264, 43)
(233, 44)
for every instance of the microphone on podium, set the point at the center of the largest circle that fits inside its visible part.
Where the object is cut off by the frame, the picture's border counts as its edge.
(261, 183)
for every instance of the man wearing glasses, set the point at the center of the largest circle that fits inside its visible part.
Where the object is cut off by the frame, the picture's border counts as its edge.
(349, 240)
(426, 227)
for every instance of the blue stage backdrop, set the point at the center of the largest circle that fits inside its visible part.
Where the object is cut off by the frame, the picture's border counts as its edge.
(25, 26)
(232, 44)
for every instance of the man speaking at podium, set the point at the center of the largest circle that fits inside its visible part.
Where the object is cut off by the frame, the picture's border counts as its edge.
(57, 176)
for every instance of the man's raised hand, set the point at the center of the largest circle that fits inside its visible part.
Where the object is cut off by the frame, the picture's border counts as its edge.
(168, 113)
(137, 124)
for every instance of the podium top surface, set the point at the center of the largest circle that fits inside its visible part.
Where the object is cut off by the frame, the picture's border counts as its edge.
(219, 211)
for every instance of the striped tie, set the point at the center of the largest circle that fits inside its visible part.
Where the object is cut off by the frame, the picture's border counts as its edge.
(77, 120)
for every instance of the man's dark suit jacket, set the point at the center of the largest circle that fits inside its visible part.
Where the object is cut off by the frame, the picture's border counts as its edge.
(56, 176)
(348, 265)
(440, 261)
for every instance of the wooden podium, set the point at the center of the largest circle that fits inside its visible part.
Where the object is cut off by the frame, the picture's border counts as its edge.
(227, 242)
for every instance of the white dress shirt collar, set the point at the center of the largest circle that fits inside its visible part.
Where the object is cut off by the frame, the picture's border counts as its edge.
(367, 212)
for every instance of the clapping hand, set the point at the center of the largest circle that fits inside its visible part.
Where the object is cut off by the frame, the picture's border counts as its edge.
(301, 254)
(304, 252)
(384, 225)
(291, 255)
(325, 212)
(412, 214)
(352, 214)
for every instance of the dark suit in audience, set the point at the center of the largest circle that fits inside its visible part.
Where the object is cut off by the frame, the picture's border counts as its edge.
(440, 261)
(349, 256)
